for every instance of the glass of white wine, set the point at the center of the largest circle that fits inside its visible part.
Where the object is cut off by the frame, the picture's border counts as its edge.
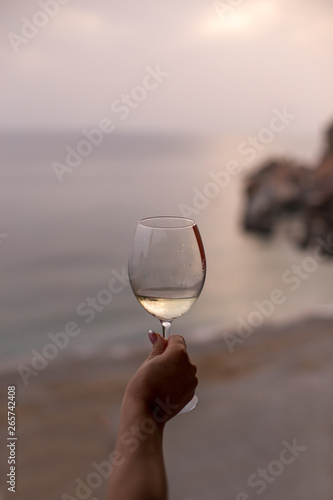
(167, 269)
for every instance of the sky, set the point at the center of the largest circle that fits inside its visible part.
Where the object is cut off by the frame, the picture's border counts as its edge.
(225, 64)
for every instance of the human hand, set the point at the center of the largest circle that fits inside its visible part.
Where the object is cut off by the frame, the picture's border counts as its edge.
(166, 381)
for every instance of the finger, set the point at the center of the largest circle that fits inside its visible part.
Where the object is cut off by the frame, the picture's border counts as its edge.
(152, 336)
(176, 340)
(159, 344)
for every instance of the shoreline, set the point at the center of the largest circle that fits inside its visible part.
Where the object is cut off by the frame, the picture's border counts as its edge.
(68, 415)
(124, 352)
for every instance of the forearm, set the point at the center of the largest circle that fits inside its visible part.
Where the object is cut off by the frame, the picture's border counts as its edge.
(140, 474)
(161, 387)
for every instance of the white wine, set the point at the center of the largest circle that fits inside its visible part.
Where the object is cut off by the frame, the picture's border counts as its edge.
(167, 303)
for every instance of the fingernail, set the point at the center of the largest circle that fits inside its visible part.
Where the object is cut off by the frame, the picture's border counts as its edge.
(152, 336)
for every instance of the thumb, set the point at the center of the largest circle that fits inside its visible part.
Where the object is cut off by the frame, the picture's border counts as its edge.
(159, 344)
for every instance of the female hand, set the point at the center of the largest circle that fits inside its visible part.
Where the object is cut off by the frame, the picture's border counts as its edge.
(166, 381)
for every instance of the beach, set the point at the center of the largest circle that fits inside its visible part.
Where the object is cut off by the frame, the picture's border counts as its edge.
(65, 243)
(271, 395)
(220, 113)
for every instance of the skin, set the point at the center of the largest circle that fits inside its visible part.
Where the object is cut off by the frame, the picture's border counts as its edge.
(161, 387)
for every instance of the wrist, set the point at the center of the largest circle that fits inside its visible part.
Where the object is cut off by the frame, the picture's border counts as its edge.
(138, 431)
(137, 411)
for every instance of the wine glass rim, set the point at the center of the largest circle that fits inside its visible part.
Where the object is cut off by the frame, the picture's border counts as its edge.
(182, 222)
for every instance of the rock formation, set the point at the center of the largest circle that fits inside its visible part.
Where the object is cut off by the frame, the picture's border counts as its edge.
(282, 187)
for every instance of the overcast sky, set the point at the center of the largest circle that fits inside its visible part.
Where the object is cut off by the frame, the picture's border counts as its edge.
(227, 67)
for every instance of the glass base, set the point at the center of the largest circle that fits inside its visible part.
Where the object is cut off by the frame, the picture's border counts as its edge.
(190, 406)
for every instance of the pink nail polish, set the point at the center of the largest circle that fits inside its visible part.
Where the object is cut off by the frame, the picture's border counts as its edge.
(152, 336)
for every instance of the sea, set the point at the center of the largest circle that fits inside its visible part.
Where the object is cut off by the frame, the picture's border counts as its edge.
(67, 224)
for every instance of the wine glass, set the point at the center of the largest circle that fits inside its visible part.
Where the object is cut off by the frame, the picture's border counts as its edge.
(167, 269)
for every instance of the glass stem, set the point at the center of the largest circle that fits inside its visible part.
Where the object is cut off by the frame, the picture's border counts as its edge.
(166, 325)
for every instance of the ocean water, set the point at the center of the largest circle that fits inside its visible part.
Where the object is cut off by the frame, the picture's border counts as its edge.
(62, 242)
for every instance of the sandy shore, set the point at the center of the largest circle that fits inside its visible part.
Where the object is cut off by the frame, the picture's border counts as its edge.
(275, 391)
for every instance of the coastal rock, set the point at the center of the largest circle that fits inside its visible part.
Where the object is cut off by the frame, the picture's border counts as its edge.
(282, 187)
